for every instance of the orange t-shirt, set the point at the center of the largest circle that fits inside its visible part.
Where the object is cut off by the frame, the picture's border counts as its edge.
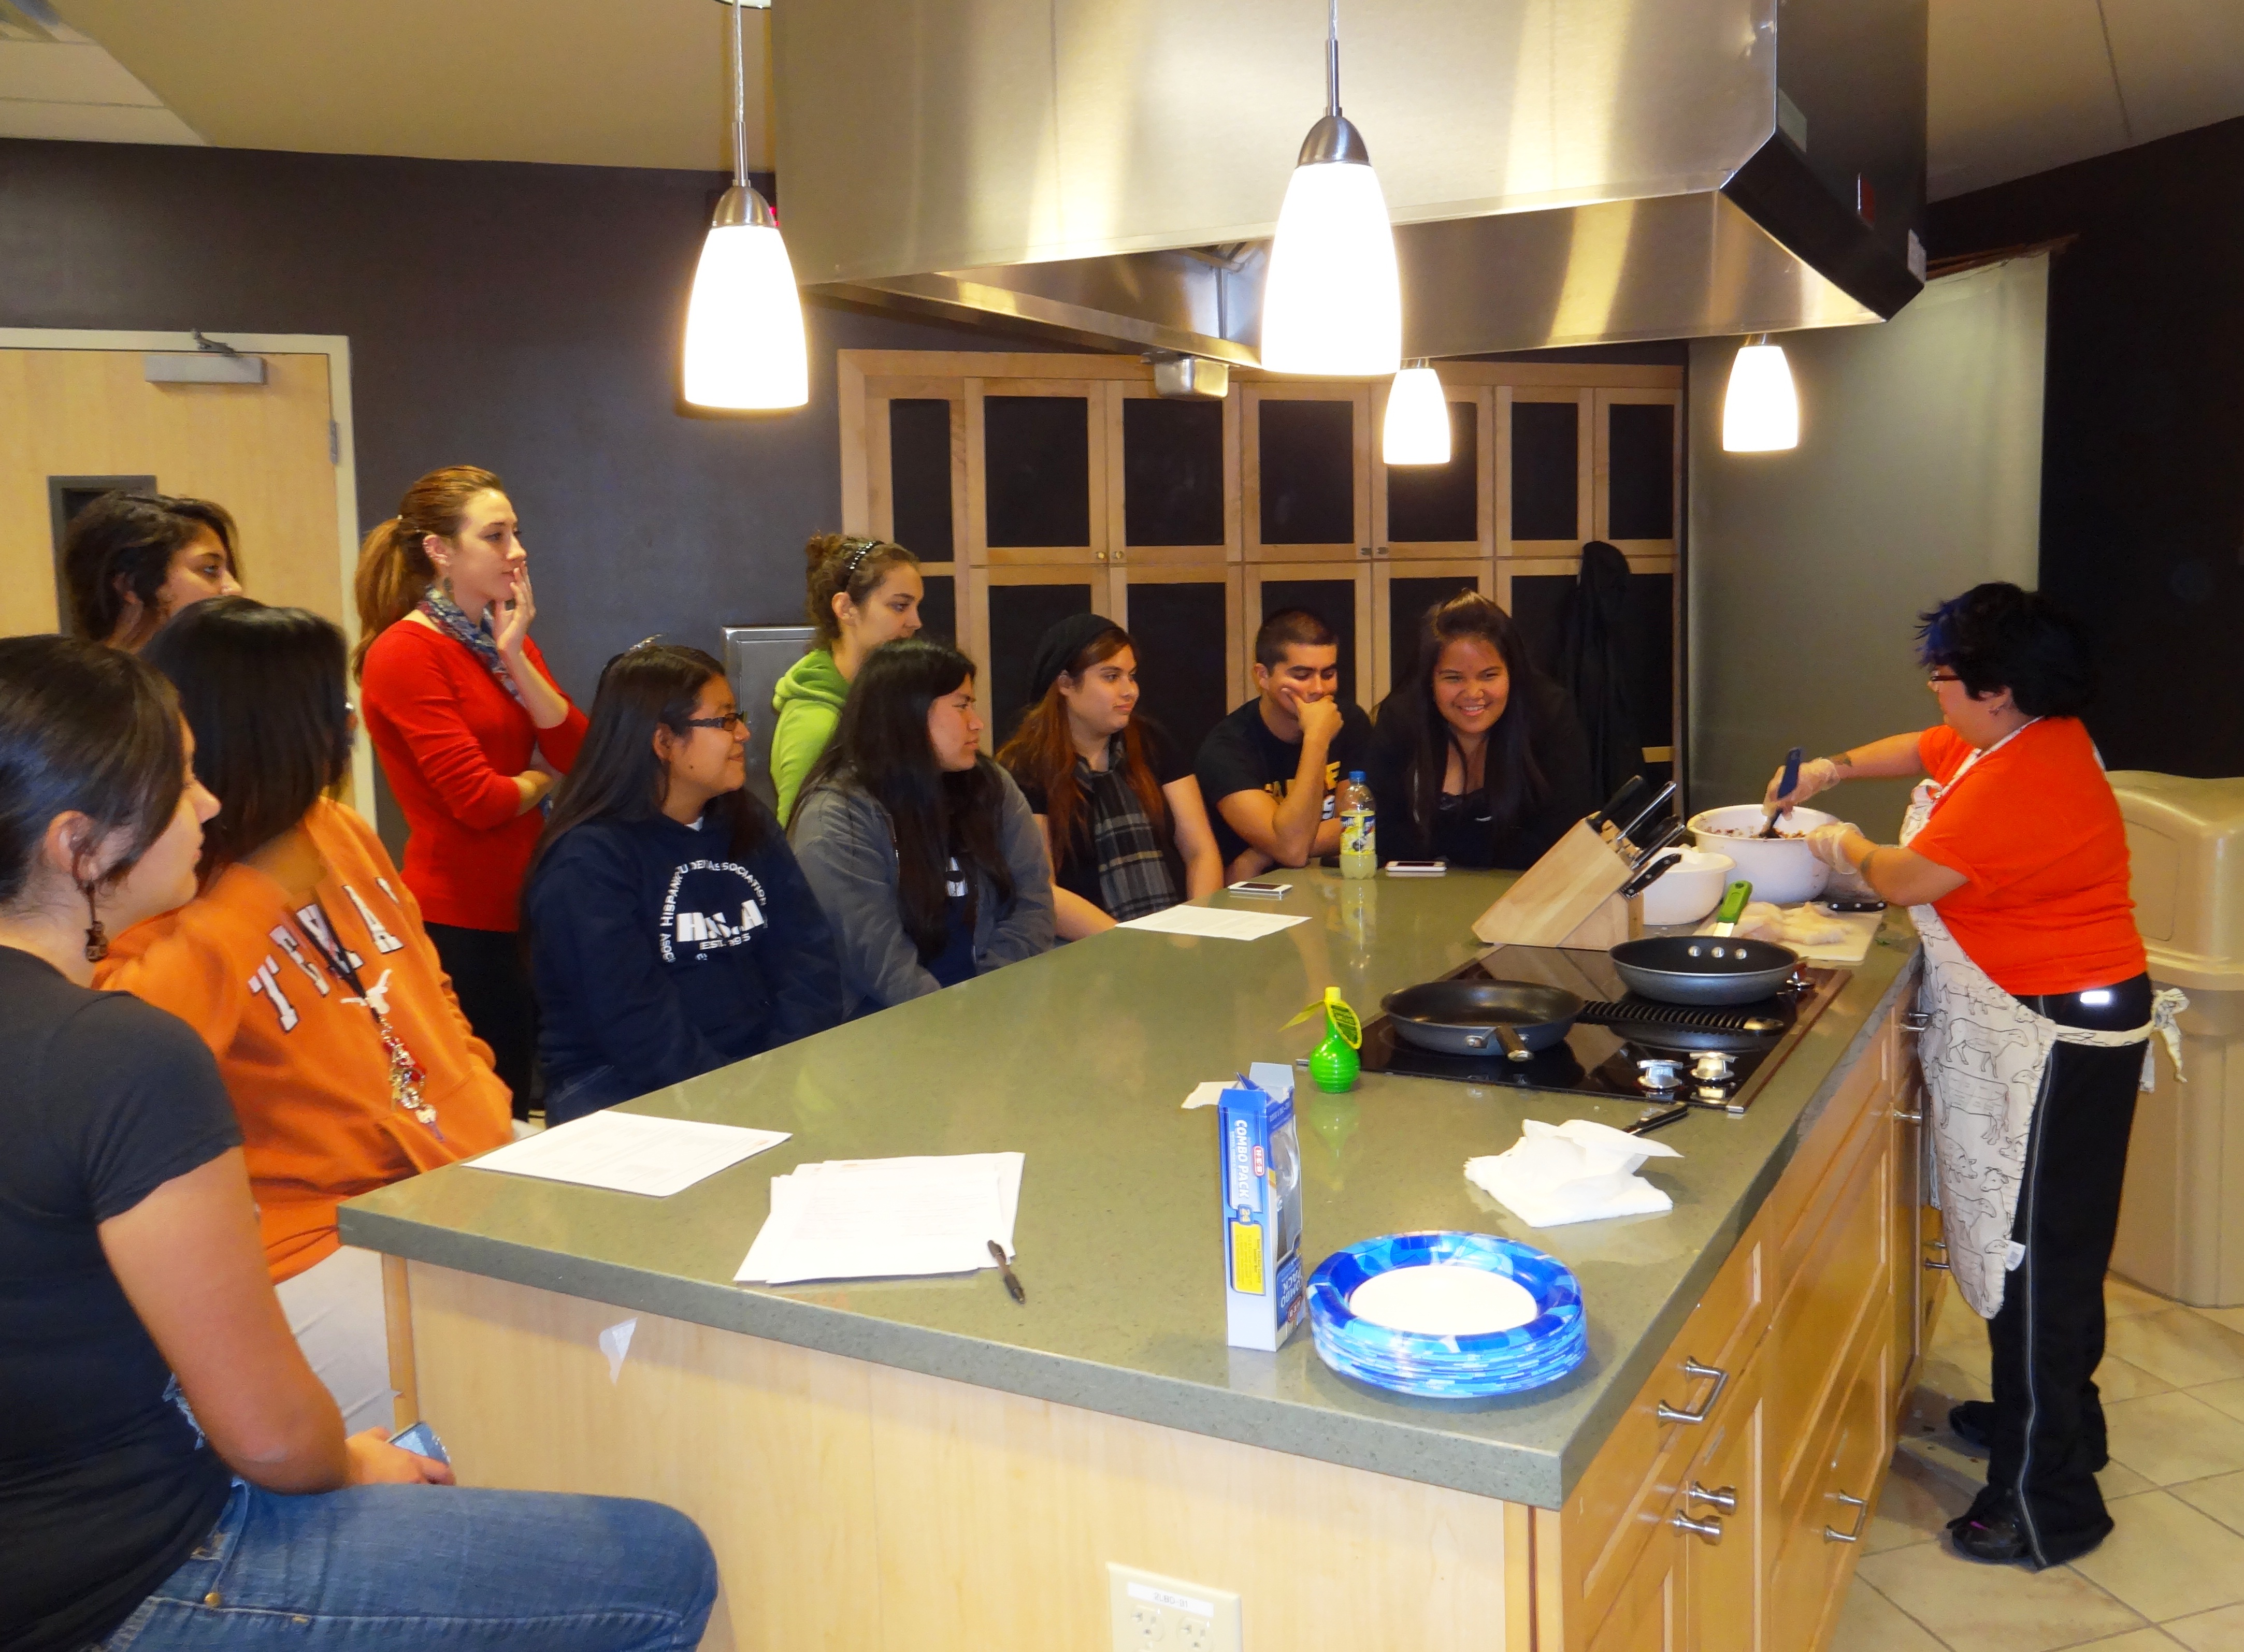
(307, 1070)
(2035, 829)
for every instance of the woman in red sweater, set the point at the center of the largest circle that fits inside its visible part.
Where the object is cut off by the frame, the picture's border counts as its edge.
(472, 733)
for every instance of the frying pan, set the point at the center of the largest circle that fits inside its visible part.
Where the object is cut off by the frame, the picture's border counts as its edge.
(1465, 1017)
(1702, 969)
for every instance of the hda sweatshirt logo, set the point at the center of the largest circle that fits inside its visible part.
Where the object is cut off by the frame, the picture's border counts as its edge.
(710, 906)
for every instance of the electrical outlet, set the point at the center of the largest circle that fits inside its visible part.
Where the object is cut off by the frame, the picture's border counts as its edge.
(1157, 1614)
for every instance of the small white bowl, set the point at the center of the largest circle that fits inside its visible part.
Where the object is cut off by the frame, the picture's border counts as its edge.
(1688, 890)
(1783, 871)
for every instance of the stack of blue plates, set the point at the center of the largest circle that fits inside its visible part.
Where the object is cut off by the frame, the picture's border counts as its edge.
(1454, 1366)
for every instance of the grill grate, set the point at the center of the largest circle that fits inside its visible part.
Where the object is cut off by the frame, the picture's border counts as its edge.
(1647, 1012)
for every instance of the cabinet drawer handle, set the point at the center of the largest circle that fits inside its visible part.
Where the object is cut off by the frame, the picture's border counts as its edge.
(1936, 1267)
(1709, 1529)
(1722, 1497)
(1916, 1021)
(1862, 1518)
(1667, 1413)
(1909, 1118)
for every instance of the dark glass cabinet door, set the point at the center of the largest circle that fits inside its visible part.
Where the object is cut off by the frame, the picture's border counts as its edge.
(1638, 463)
(1305, 472)
(1439, 504)
(1036, 471)
(1173, 472)
(1544, 458)
(920, 491)
(1019, 616)
(1183, 631)
(1333, 600)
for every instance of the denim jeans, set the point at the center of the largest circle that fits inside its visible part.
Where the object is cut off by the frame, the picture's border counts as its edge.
(408, 1567)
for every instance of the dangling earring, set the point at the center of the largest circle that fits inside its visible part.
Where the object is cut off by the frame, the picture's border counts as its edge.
(97, 938)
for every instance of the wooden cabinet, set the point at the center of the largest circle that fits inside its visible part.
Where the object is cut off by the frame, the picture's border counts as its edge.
(1035, 485)
(1726, 1512)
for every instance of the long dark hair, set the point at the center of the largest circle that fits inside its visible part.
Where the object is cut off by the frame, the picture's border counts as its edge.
(618, 775)
(1409, 718)
(881, 746)
(87, 730)
(1043, 749)
(124, 542)
(263, 689)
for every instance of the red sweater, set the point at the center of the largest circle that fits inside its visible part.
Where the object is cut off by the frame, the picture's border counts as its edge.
(451, 741)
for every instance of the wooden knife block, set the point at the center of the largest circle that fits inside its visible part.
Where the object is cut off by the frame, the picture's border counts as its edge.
(1569, 898)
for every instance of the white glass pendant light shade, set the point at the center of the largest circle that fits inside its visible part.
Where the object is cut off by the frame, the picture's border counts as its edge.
(744, 342)
(1332, 303)
(1417, 428)
(1761, 412)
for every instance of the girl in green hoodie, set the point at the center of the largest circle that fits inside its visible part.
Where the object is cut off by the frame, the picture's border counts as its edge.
(864, 592)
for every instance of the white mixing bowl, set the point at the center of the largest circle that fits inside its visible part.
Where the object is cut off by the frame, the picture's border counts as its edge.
(1781, 870)
(1688, 890)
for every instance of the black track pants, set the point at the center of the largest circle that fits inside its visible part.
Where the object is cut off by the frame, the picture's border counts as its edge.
(2048, 1435)
(493, 985)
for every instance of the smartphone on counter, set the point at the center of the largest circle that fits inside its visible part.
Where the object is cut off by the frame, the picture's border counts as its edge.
(1257, 886)
(421, 1439)
(1417, 869)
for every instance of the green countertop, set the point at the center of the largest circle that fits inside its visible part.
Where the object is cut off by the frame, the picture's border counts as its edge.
(1080, 1060)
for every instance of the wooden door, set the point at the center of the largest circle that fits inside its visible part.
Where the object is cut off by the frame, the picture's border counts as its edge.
(1192, 644)
(1545, 484)
(913, 440)
(1637, 457)
(1339, 594)
(1401, 591)
(1036, 471)
(1014, 605)
(1305, 471)
(262, 451)
(1441, 511)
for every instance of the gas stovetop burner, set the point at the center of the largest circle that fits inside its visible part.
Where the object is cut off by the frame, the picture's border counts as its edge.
(1622, 1046)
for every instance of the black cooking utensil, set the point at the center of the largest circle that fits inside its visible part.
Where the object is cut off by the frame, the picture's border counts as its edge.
(1668, 834)
(1466, 1017)
(1702, 969)
(1784, 790)
(1645, 878)
(1658, 1120)
(1649, 811)
(1623, 798)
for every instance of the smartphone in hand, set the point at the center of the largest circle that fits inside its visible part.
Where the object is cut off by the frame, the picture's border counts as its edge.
(421, 1439)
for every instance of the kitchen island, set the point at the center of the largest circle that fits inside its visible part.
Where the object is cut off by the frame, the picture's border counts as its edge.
(926, 1464)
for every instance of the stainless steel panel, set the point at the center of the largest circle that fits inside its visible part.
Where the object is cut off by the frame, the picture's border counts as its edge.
(756, 656)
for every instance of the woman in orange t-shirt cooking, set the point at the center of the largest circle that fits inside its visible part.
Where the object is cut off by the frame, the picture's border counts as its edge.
(303, 964)
(2013, 863)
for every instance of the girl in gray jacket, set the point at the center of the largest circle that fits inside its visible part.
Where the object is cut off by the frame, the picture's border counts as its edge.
(921, 852)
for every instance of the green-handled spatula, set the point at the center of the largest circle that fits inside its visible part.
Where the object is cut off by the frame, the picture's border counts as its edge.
(1734, 904)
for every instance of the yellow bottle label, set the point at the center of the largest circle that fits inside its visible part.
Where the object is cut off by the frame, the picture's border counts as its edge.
(1247, 1257)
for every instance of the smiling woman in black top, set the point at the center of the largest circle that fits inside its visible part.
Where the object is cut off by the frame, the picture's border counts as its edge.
(169, 1464)
(1478, 758)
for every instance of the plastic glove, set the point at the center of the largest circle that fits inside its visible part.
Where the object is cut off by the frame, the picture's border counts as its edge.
(1829, 843)
(1817, 774)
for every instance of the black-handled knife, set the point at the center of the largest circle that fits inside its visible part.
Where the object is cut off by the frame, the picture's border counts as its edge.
(1668, 834)
(1651, 810)
(1620, 799)
(1651, 875)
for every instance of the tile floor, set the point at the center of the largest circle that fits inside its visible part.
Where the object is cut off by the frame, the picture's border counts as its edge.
(2172, 1576)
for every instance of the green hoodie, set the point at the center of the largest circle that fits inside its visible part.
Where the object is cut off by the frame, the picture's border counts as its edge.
(808, 701)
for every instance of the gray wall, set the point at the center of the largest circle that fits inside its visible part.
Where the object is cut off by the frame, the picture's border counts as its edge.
(1917, 475)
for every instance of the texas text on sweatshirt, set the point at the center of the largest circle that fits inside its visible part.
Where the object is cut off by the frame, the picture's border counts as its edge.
(302, 1058)
(660, 953)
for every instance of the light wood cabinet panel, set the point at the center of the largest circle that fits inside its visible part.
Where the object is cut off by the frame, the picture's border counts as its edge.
(1819, 1539)
(1724, 1489)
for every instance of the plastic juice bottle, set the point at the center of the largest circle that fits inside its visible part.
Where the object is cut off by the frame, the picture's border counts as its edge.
(1359, 837)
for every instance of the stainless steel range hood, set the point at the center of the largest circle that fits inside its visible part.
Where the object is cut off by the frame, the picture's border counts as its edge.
(1560, 171)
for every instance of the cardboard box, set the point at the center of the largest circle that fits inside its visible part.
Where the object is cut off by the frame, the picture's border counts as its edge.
(1261, 1171)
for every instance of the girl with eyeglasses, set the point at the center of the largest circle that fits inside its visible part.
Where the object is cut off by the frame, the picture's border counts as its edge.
(671, 931)
(864, 592)
(921, 851)
(472, 733)
(176, 1477)
(302, 962)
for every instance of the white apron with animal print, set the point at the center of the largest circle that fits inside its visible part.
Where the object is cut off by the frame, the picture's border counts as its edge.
(1986, 1060)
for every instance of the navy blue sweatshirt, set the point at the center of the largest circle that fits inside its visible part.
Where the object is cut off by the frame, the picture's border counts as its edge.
(658, 955)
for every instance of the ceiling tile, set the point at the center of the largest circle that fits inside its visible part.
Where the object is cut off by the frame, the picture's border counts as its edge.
(2181, 62)
(2017, 86)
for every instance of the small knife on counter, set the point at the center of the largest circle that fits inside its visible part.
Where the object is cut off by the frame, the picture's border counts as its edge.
(1012, 1284)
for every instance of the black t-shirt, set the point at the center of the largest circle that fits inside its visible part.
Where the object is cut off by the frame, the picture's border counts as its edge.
(1463, 832)
(1240, 754)
(1078, 868)
(106, 1483)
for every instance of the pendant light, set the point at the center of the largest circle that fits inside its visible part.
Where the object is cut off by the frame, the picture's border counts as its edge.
(744, 343)
(1333, 303)
(1761, 412)
(1417, 428)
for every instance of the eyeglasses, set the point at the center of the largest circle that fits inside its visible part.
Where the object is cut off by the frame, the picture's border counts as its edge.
(728, 721)
(1937, 677)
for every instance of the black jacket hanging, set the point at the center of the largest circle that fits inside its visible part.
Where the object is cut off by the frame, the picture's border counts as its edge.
(1593, 664)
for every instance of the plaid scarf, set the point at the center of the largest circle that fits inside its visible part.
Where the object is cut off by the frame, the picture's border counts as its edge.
(1134, 875)
(453, 621)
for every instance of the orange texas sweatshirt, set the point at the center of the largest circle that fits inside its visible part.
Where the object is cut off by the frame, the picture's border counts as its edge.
(300, 1054)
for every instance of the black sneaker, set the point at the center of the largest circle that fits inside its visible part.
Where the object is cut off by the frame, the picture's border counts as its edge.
(1973, 1422)
(1990, 1533)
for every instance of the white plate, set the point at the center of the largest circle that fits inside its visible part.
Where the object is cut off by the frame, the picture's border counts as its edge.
(1442, 1299)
